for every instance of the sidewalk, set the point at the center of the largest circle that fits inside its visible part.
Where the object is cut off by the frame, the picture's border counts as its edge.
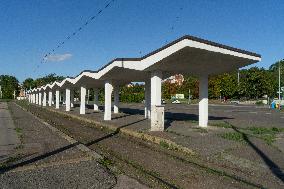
(8, 135)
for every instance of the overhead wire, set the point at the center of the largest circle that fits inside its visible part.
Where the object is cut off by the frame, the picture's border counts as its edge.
(74, 33)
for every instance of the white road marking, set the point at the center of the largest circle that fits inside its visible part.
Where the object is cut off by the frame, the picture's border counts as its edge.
(253, 112)
(267, 113)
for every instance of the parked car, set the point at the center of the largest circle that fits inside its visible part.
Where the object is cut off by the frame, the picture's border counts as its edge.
(235, 102)
(176, 102)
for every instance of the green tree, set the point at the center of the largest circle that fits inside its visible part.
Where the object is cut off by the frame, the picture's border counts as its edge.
(256, 82)
(28, 83)
(133, 93)
(50, 78)
(274, 68)
(224, 84)
(9, 84)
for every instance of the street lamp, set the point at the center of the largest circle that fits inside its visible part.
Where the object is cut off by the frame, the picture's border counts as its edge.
(279, 82)
(0, 90)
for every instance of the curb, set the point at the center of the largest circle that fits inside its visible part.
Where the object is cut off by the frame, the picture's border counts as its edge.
(79, 145)
(146, 137)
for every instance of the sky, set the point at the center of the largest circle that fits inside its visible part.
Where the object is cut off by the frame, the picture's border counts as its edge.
(128, 28)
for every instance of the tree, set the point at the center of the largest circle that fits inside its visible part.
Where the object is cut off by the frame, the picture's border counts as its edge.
(134, 93)
(256, 82)
(274, 68)
(9, 85)
(50, 78)
(28, 83)
(223, 85)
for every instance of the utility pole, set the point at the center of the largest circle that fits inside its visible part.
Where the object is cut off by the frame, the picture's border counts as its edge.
(189, 97)
(0, 90)
(279, 82)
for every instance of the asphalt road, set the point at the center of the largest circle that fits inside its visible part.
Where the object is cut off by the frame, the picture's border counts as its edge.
(238, 115)
(8, 136)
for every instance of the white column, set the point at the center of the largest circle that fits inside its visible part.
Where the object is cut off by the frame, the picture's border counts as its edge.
(33, 98)
(96, 99)
(67, 100)
(108, 91)
(203, 101)
(53, 98)
(116, 99)
(148, 99)
(157, 111)
(44, 99)
(49, 98)
(156, 87)
(83, 100)
(40, 98)
(88, 96)
(57, 99)
(37, 98)
(64, 97)
(72, 98)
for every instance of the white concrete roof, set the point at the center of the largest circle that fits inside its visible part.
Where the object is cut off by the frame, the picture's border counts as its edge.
(186, 55)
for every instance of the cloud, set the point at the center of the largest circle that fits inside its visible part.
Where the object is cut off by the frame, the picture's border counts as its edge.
(57, 57)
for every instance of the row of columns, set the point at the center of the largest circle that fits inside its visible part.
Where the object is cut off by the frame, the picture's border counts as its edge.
(154, 110)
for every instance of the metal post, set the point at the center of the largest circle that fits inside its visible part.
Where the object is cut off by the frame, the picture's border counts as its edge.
(279, 82)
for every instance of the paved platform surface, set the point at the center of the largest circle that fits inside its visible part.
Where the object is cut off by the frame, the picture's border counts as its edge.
(249, 155)
(47, 160)
(8, 136)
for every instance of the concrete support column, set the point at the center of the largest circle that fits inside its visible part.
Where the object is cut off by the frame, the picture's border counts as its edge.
(67, 100)
(88, 96)
(40, 98)
(57, 99)
(44, 99)
(72, 98)
(116, 99)
(157, 110)
(53, 99)
(203, 101)
(96, 99)
(36, 98)
(148, 99)
(83, 100)
(64, 97)
(49, 98)
(108, 91)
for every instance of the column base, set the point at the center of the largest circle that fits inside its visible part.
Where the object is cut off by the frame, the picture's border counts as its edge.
(157, 118)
